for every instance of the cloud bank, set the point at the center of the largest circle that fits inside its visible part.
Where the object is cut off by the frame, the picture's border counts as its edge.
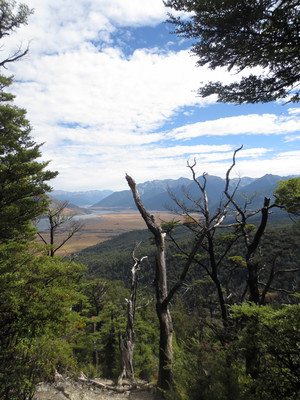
(107, 97)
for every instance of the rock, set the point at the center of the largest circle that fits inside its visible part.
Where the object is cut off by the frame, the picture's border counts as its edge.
(73, 390)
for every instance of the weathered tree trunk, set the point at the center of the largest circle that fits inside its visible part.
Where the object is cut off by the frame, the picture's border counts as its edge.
(127, 352)
(165, 373)
(127, 346)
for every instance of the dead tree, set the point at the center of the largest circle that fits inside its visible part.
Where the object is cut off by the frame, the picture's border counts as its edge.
(204, 222)
(209, 221)
(204, 229)
(163, 296)
(59, 221)
(127, 346)
(252, 241)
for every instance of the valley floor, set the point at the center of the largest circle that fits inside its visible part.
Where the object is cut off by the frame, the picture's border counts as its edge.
(98, 228)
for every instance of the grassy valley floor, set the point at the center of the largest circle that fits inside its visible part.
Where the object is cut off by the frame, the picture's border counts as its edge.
(100, 227)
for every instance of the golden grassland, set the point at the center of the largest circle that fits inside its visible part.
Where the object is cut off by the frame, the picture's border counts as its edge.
(104, 227)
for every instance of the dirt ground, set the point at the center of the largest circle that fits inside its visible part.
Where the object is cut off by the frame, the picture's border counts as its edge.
(78, 391)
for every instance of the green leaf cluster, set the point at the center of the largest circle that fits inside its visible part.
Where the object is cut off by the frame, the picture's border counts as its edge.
(37, 293)
(243, 34)
(22, 178)
(288, 195)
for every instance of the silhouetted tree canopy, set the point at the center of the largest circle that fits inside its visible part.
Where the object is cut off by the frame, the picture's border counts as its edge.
(239, 34)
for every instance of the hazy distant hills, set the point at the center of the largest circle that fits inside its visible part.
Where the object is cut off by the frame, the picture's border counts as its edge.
(81, 198)
(155, 194)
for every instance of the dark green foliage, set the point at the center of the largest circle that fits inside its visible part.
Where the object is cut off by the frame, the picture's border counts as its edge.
(208, 361)
(240, 34)
(112, 259)
(277, 335)
(22, 177)
(204, 370)
(288, 195)
(103, 316)
(279, 250)
(147, 339)
(36, 295)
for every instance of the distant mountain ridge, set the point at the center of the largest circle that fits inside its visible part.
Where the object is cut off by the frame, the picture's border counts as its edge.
(155, 194)
(81, 198)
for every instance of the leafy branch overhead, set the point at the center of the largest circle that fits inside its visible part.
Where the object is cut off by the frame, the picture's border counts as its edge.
(242, 35)
(10, 20)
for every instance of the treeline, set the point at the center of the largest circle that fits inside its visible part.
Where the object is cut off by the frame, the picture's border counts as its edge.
(256, 355)
(67, 315)
(112, 260)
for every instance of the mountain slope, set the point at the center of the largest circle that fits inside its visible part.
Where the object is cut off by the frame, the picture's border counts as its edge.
(155, 194)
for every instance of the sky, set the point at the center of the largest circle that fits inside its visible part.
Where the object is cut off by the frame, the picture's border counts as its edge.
(110, 90)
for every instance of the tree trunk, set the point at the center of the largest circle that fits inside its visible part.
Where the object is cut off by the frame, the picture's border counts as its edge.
(127, 352)
(127, 347)
(165, 372)
(252, 264)
(252, 281)
(165, 375)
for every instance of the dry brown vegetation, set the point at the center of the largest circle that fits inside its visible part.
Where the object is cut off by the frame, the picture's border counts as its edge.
(104, 227)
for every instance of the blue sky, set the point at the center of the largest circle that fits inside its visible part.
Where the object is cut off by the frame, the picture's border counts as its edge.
(109, 90)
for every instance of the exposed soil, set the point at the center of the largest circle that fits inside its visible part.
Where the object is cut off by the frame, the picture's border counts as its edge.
(93, 390)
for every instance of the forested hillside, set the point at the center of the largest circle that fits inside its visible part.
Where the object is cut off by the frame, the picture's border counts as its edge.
(112, 259)
(204, 306)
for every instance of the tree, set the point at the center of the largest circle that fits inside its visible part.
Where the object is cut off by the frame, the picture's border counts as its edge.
(233, 218)
(36, 298)
(204, 223)
(9, 22)
(104, 318)
(163, 295)
(59, 221)
(252, 238)
(165, 373)
(287, 195)
(127, 346)
(240, 226)
(276, 336)
(22, 178)
(241, 34)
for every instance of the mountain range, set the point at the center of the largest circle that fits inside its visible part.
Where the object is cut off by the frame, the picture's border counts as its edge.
(81, 199)
(156, 194)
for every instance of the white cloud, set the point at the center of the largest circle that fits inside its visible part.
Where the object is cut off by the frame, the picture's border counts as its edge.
(102, 109)
(284, 164)
(112, 95)
(105, 167)
(61, 25)
(292, 138)
(245, 124)
(294, 110)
